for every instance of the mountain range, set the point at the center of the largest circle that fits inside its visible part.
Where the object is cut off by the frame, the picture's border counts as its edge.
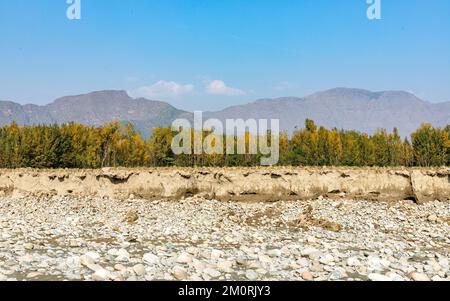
(343, 108)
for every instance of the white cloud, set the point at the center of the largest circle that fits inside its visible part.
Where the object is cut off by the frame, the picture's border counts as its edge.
(218, 87)
(163, 89)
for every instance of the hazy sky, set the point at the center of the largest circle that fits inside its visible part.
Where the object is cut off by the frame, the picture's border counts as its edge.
(210, 54)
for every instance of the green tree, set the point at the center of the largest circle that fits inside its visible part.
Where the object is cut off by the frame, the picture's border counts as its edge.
(160, 147)
(430, 146)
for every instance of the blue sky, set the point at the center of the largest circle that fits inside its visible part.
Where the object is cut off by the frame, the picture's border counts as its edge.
(210, 54)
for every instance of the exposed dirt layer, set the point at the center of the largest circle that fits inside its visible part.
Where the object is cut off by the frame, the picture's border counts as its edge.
(233, 184)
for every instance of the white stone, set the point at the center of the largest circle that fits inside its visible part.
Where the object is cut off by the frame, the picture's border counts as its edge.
(93, 255)
(353, 262)
(150, 258)
(274, 253)
(122, 258)
(184, 258)
(395, 277)
(73, 262)
(419, 277)
(303, 262)
(251, 275)
(86, 260)
(432, 218)
(198, 265)
(139, 269)
(224, 266)
(374, 264)
(437, 278)
(28, 246)
(264, 258)
(378, 277)
(33, 275)
(212, 272)
(101, 275)
(311, 239)
(179, 273)
(113, 252)
(123, 252)
(120, 267)
(327, 259)
(308, 251)
(307, 276)
(192, 250)
(216, 254)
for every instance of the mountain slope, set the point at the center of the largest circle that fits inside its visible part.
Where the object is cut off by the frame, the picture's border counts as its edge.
(343, 108)
(95, 109)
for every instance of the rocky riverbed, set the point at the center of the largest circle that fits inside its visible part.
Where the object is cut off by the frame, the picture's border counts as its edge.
(196, 239)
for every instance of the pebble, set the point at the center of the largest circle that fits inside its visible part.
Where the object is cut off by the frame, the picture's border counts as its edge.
(123, 255)
(317, 267)
(419, 277)
(225, 266)
(179, 273)
(92, 256)
(120, 267)
(432, 218)
(307, 276)
(212, 272)
(139, 269)
(184, 258)
(216, 254)
(73, 262)
(28, 246)
(264, 258)
(395, 277)
(274, 253)
(87, 238)
(101, 275)
(308, 251)
(437, 278)
(303, 262)
(150, 258)
(327, 259)
(353, 262)
(86, 260)
(33, 275)
(251, 275)
(377, 264)
(379, 277)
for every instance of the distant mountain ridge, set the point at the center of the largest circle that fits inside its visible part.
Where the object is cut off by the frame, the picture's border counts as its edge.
(94, 109)
(343, 108)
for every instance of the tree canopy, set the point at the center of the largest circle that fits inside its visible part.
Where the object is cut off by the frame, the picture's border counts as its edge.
(113, 145)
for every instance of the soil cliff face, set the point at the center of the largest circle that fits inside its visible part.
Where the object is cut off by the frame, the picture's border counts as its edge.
(244, 184)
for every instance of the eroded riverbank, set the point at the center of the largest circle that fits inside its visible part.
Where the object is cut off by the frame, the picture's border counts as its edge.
(233, 184)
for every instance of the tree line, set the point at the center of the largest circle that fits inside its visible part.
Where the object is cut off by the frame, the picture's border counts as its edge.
(118, 145)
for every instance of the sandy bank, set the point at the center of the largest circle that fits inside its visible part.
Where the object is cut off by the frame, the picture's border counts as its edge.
(246, 184)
